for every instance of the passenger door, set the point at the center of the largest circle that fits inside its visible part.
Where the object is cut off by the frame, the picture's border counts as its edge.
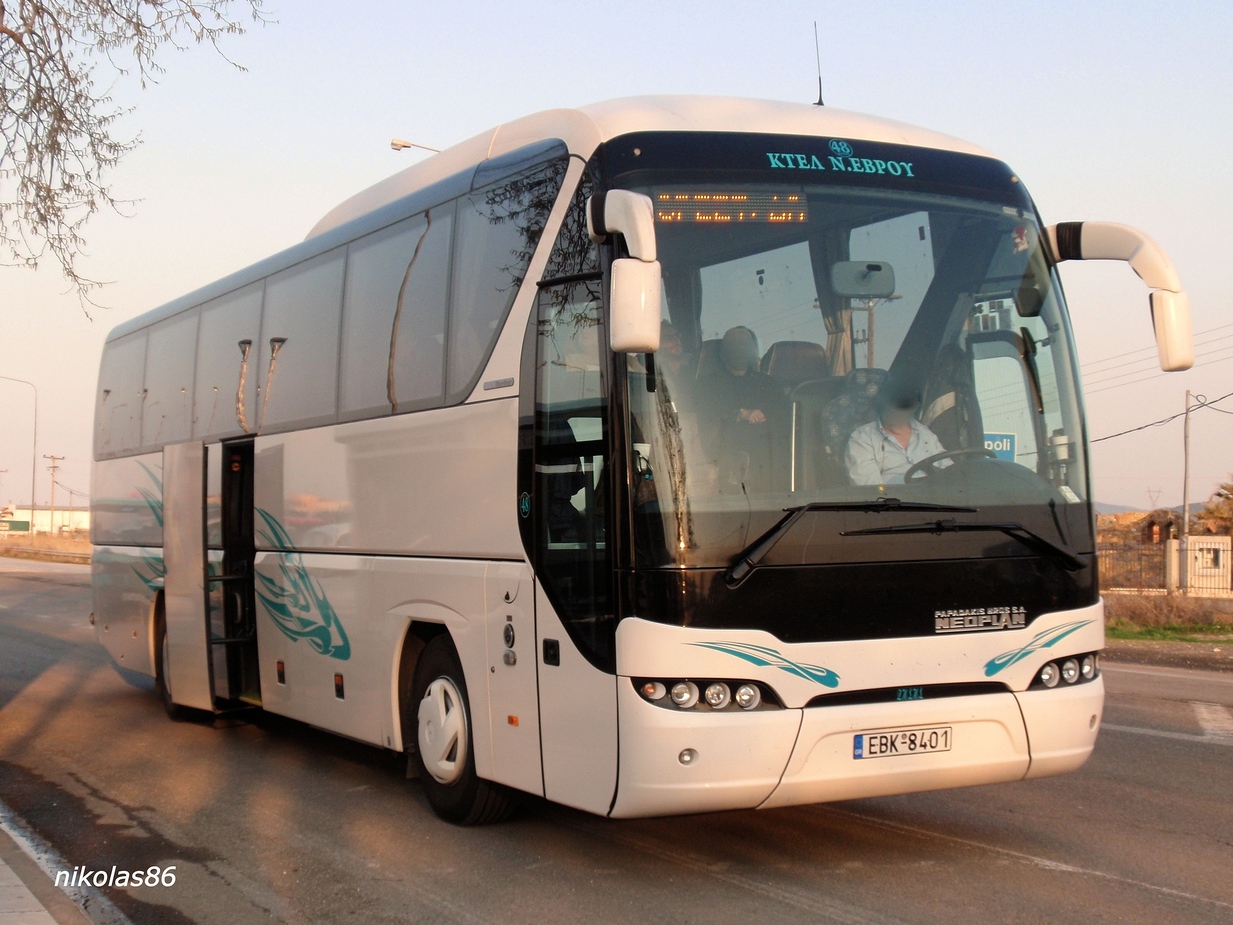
(189, 667)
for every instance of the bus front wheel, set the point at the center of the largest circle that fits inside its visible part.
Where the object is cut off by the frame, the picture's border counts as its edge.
(444, 754)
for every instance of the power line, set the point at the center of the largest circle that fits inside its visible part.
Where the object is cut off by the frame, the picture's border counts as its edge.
(1151, 372)
(1146, 363)
(1202, 403)
(1154, 375)
(1118, 356)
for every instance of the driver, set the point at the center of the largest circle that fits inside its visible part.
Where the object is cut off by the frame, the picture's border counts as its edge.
(880, 452)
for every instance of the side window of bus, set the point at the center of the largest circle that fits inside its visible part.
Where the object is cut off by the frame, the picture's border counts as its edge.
(119, 399)
(298, 378)
(168, 413)
(499, 228)
(225, 384)
(397, 290)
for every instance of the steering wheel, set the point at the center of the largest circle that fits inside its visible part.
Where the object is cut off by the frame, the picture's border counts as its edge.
(925, 467)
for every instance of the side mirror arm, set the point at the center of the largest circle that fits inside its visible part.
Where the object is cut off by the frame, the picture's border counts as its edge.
(636, 283)
(1170, 306)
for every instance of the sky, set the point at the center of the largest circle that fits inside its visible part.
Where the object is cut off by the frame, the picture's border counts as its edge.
(1109, 111)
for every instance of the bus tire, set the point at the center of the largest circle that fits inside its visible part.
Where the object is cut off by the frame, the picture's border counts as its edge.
(444, 752)
(161, 675)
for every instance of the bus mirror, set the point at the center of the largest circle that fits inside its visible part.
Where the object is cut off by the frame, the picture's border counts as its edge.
(1171, 319)
(634, 306)
(1169, 303)
(863, 279)
(622, 212)
(1029, 300)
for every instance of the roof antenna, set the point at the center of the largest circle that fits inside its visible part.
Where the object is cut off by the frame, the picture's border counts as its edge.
(818, 51)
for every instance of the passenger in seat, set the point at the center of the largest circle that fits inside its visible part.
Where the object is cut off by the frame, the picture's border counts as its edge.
(880, 452)
(745, 395)
(747, 410)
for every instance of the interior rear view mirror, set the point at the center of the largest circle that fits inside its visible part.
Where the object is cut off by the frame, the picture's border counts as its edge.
(863, 279)
(1029, 300)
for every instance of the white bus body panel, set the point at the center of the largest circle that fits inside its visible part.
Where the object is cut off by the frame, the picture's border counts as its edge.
(188, 635)
(431, 483)
(583, 129)
(738, 758)
(578, 720)
(1062, 726)
(990, 747)
(808, 751)
(126, 580)
(513, 688)
(372, 601)
(127, 570)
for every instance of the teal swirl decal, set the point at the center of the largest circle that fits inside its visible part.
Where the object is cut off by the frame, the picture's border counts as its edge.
(296, 604)
(764, 657)
(1042, 640)
(153, 499)
(152, 571)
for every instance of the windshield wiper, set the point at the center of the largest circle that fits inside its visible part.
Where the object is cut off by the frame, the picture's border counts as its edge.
(749, 557)
(1069, 559)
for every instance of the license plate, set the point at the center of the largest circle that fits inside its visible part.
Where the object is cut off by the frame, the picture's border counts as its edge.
(902, 742)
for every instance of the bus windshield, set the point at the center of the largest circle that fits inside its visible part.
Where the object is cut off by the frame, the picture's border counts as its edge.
(846, 343)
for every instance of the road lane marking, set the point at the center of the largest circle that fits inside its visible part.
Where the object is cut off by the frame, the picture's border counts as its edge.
(1215, 718)
(89, 899)
(808, 900)
(1206, 675)
(1044, 863)
(1161, 734)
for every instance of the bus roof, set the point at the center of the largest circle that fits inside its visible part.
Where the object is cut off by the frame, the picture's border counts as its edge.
(583, 129)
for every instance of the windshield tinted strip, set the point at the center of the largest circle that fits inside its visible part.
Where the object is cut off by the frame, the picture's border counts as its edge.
(813, 160)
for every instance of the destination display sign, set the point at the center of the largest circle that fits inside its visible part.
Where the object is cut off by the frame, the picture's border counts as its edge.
(732, 206)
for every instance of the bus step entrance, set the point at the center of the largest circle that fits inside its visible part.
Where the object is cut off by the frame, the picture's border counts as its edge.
(238, 644)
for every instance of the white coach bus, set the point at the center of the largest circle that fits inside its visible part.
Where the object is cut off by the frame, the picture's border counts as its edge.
(667, 455)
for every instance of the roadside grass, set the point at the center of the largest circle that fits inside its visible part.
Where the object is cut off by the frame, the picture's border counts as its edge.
(46, 547)
(1169, 618)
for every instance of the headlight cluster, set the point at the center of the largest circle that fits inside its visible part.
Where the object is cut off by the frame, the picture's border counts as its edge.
(1076, 669)
(708, 695)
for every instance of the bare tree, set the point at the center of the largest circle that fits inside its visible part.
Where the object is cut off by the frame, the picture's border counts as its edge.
(58, 120)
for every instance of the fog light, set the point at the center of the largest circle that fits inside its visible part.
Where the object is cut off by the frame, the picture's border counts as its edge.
(1088, 667)
(718, 695)
(1070, 671)
(653, 690)
(685, 694)
(748, 696)
(1049, 675)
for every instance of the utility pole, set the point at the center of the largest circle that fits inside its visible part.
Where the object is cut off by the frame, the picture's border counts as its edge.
(53, 469)
(1183, 545)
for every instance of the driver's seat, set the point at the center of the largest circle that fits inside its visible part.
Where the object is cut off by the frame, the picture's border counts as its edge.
(855, 405)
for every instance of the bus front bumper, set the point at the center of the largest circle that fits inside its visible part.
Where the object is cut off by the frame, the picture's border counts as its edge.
(687, 762)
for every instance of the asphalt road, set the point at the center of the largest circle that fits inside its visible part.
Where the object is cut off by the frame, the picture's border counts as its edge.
(269, 820)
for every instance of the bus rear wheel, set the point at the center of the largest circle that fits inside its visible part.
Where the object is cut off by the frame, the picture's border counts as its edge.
(162, 674)
(444, 754)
